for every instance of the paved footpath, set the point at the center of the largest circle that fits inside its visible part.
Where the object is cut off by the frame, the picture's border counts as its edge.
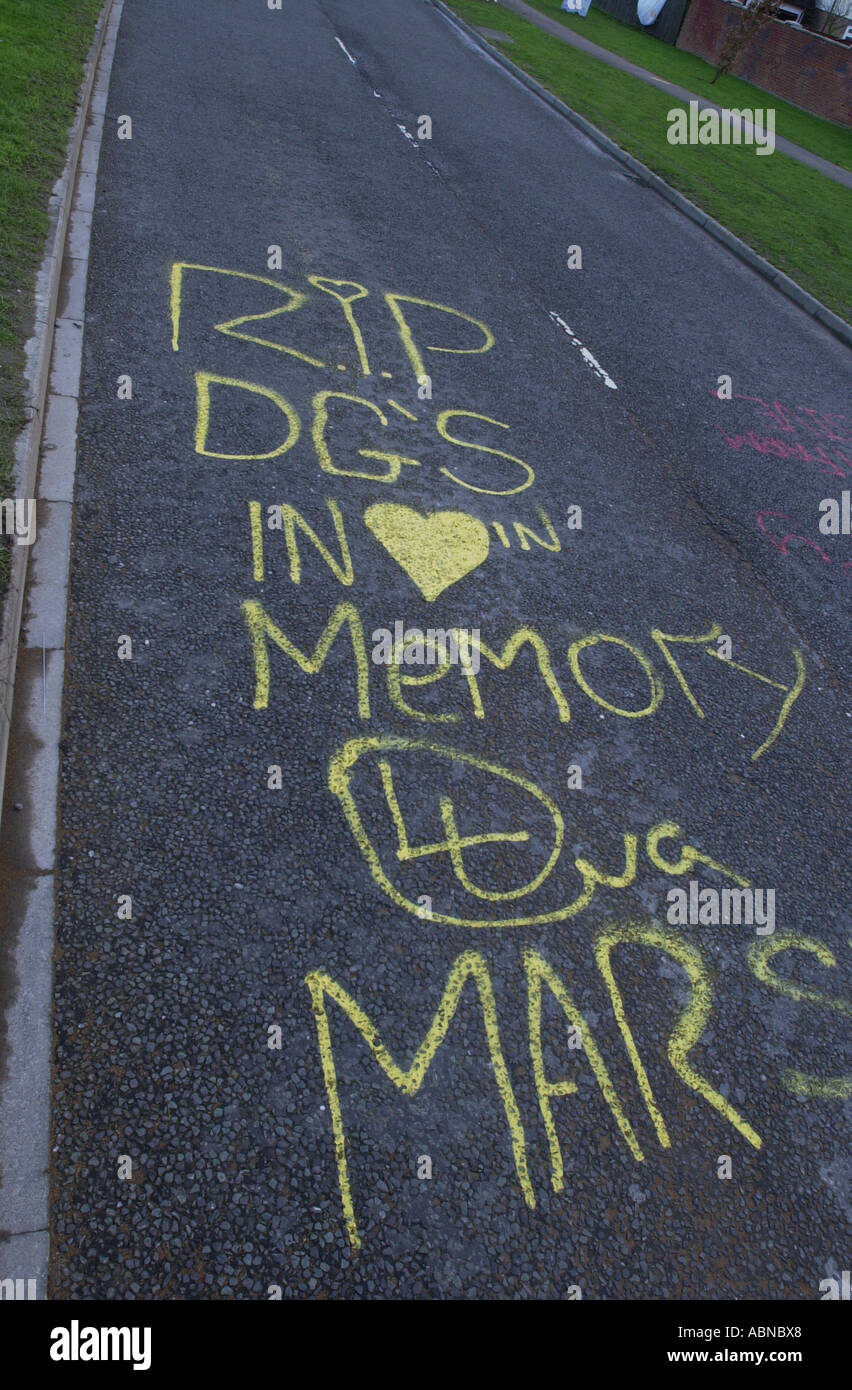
(395, 1007)
(614, 60)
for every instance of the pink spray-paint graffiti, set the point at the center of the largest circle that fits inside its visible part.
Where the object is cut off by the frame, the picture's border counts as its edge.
(830, 428)
(782, 542)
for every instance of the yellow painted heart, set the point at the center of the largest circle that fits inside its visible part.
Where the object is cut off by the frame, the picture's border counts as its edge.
(435, 549)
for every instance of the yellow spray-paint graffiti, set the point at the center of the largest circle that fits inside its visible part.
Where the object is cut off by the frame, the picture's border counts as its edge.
(263, 630)
(540, 974)
(762, 953)
(435, 550)
(683, 1038)
(498, 858)
(410, 1079)
(334, 289)
(455, 845)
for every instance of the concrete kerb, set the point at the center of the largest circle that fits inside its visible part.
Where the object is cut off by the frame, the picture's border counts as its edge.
(32, 651)
(817, 310)
(39, 351)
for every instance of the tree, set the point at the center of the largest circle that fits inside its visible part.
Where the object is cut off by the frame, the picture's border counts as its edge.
(739, 34)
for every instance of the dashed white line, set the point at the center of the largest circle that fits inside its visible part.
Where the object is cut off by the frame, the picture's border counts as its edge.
(409, 137)
(592, 361)
(346, 51)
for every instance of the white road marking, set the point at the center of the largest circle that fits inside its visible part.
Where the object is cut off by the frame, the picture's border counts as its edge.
(346, 51)
(592, 361)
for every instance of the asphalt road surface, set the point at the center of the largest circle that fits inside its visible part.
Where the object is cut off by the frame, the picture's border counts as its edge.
(396, 1008)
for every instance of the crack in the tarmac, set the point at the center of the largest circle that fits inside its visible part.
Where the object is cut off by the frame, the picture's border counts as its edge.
(727, 540)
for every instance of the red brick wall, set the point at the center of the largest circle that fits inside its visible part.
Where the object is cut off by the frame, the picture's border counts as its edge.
(800, 67)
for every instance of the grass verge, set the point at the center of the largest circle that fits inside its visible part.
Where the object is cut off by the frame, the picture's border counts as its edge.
(794, 217)
(43, 46)
(829, 141)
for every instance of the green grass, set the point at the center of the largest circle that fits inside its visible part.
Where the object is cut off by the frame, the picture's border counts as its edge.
(796, 218)
(829, 141)
(43, 45)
